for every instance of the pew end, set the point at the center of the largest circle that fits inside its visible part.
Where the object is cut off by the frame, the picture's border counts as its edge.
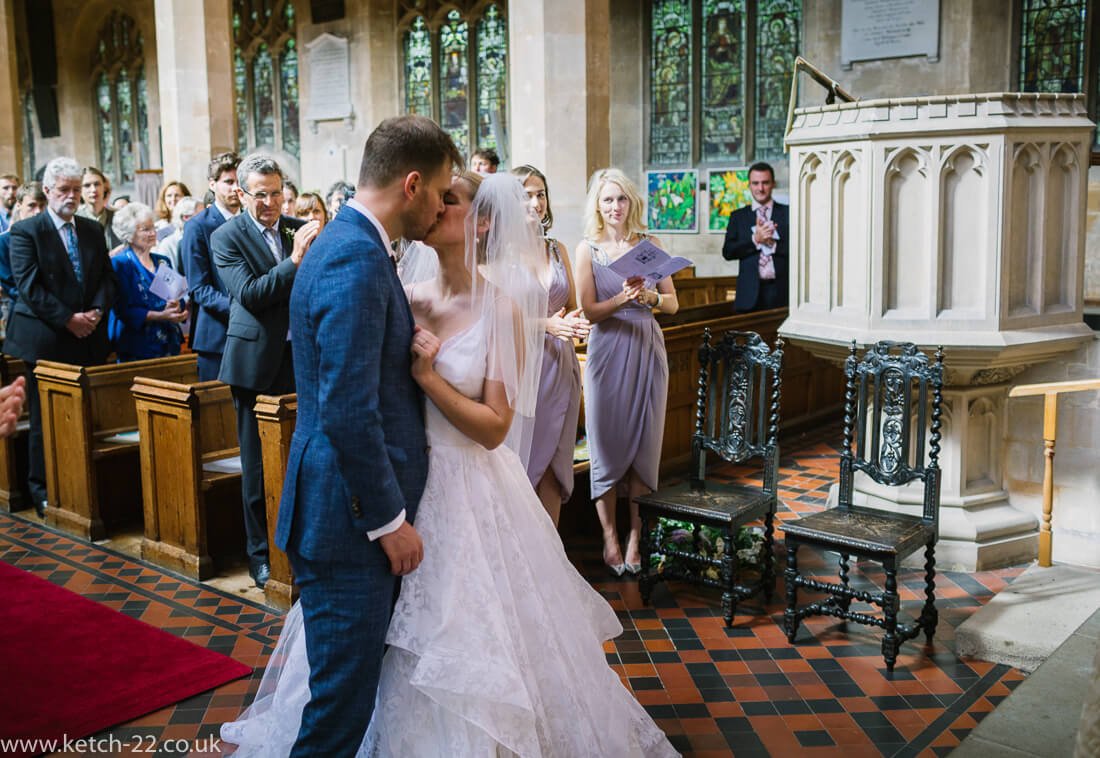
(276, 416)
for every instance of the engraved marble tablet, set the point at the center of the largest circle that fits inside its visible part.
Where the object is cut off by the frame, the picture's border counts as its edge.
(874, 29)
(329, 80)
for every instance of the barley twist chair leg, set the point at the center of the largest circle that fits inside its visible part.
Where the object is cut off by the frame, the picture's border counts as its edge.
(767, 576)
(729, 571)
(790, 616)
(890, 603)
(844, 602)
(929, 614)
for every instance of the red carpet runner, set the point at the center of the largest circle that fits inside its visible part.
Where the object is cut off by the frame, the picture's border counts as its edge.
(70, 667)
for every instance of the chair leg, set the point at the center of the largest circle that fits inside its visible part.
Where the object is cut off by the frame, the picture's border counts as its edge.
(790, 616)
(729, 571)
(929, 615)
(844, 602)
(767, 577)
(645, 580)
(890, 602)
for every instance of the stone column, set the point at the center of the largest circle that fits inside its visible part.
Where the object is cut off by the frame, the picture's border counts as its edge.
(11, 122)
(559, 98)
(194, 64)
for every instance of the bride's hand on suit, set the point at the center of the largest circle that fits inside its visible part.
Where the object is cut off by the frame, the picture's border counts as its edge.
(404, 549)
(425, 346)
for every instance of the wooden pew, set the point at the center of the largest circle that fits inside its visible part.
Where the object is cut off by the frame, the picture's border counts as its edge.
(92, 473)
(190, 474)
(13, 450)
(703, 290)
(276, 417)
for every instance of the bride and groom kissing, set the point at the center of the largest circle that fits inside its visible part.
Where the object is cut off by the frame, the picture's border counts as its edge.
(408, 389)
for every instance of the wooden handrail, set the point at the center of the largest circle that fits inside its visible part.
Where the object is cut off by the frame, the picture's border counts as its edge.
(1050, 392)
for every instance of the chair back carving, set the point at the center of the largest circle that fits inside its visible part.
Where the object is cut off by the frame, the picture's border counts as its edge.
(737, 406)
(892, 407)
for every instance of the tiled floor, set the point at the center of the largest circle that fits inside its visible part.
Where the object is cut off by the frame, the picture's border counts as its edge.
(715, 691)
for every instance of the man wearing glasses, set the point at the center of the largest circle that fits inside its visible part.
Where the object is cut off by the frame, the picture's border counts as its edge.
(256, 254)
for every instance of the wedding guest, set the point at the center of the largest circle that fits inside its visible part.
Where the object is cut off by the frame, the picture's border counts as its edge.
(170, 194)
(142, 324)
(95, 190)
(485, 161)
(337, 195)
(758, 237)
(626, 372)
(290, 195)
(186, 209)
(310, 207)
(9, 187)
(30, 200)
(550, 465)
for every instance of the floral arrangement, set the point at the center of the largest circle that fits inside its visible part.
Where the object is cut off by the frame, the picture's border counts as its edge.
(679, 536)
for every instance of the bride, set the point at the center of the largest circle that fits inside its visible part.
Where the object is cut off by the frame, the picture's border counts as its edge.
(496, 643)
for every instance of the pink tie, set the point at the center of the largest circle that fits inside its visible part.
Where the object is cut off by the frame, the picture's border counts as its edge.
(765, 266)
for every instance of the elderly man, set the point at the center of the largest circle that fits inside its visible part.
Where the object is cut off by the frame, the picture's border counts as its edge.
(257, 255)
(65, 284)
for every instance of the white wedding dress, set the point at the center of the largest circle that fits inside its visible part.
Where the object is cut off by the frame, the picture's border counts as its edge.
(496, 643)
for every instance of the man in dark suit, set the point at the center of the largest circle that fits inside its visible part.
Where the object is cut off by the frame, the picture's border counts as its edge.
(257, 255)
(358, 460)
(758, 235)
(66, 285)
(209, 298)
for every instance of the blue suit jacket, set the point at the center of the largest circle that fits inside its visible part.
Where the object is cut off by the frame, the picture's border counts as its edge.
(210, 297)
(740, 247)
(7, 278)
(359, 452)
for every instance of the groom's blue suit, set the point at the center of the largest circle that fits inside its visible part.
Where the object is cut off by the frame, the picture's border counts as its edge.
(357, 459)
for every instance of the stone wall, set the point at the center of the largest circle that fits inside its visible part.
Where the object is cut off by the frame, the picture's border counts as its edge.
(1092, 242)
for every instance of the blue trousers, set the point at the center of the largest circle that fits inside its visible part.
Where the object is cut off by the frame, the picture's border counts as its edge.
(346, 610)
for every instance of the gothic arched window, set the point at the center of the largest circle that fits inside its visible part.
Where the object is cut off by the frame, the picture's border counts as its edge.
(455, 57)
(265, 75)
(119, 94)
(719, 79)
(1055, 39)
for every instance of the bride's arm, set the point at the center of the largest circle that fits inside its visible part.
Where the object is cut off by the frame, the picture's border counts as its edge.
(484, 421)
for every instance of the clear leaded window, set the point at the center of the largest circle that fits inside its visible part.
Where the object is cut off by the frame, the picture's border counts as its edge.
(265, 76)
(119, 94)
(454, 59)
(719, 79)
(1058, 41)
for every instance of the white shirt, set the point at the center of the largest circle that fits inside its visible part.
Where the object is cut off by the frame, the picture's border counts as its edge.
(394, 525)
(59, 222)
(226, 213)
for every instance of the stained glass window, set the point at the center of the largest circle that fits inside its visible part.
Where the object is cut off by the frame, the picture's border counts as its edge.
(265, 75)
(455, 65)
(492, 79)
(720, 75)
(1052, 53)
(670, 104)
(288, 95)
(777, 45)
(723, 75)
(418, 68)
(121, 99)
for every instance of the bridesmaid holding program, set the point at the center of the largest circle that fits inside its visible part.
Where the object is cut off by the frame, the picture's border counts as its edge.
(550, 464)
(626, 372)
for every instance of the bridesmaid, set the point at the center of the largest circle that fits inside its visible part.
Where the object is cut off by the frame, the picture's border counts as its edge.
(626, 372)
(550, 465)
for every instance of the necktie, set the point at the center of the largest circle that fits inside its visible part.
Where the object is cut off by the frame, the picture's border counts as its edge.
(74, 251)
(272, 240)
(765, 266)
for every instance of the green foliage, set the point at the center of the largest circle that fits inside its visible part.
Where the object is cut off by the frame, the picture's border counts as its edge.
(680, 536)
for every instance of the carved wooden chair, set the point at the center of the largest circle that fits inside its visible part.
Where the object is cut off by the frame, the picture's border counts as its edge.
(892, 406)
(736, 417)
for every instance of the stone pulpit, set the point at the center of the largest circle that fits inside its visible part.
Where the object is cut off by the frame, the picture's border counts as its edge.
(956, 221)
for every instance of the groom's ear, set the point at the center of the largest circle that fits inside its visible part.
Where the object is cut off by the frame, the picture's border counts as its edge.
(413, 182)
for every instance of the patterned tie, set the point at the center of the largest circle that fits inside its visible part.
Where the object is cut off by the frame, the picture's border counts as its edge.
(74, 251)
(272, 240)
(765, 266)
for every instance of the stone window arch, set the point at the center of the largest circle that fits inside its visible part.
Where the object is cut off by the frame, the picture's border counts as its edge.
(265, 76)
(454, 58)
(120, 100)
(719, 75)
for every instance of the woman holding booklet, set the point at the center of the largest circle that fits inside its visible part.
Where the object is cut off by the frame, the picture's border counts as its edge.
(626, 373)
(142, 324)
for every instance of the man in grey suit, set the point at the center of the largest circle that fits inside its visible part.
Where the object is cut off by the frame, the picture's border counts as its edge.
(257, 255)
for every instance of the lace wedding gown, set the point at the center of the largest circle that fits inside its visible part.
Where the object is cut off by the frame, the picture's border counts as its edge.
(496, 644)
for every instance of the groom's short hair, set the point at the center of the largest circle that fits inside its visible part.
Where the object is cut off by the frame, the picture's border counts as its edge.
(401, 145)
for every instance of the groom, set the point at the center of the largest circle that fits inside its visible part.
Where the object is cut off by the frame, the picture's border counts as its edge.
(358, 460)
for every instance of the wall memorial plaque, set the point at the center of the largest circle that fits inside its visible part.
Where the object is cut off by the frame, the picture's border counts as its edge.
(329, 79)
(875, 29)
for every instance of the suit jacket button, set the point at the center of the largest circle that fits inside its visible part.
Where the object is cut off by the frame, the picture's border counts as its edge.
(355, 506)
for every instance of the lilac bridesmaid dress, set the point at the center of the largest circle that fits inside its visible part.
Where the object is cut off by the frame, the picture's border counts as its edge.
(559, 404)
(625, 387)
